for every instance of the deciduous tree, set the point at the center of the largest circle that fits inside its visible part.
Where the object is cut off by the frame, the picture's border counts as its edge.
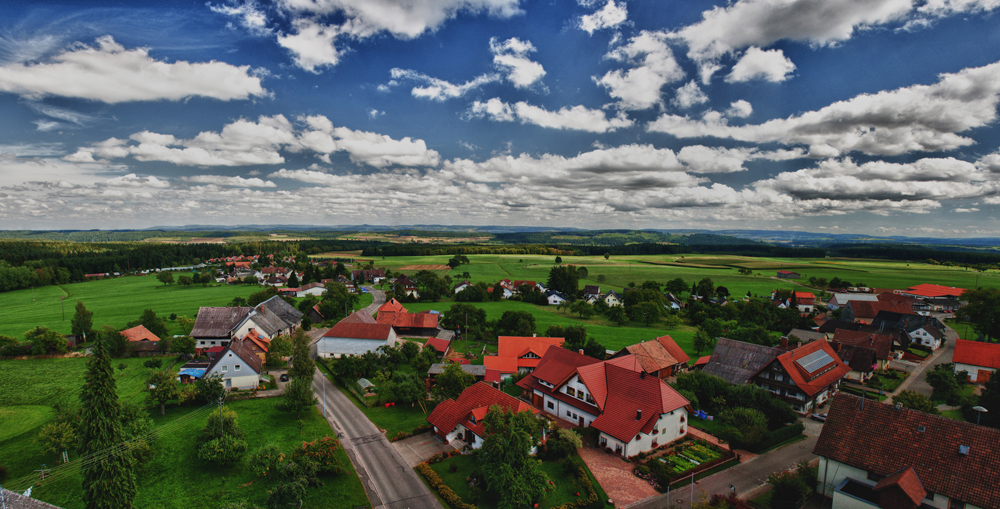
(452, 381)
(83, 321)
(162, 387)
(983, 310)
(509, 471)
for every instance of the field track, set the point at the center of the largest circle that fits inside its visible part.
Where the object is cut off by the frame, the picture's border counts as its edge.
(425, 267)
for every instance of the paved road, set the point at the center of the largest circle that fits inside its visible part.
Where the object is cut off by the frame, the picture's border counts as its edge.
(917, 381)
(378, 298)
(390, 483)
(744, 477)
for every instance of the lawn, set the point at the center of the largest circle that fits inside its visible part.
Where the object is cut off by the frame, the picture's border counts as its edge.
(176, 478)
(114, 302)
(566, 485)
(712, 427)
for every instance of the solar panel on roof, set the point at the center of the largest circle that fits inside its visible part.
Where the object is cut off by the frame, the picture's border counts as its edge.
(815, 360)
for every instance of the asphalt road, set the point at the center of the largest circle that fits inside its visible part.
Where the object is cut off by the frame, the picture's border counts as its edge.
(389, 482)
(917, 381)
(378, 298)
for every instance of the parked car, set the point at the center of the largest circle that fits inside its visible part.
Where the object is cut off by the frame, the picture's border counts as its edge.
(284, 377)
(819, 417)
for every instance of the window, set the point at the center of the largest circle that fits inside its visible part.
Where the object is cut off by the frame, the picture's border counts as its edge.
(579, 395)
(237, 367)
(571, 391)
(955, 504)
(568, 413)
(875, 477)
(213, 343)
(550, 405)
(575, 416)
(224, 368)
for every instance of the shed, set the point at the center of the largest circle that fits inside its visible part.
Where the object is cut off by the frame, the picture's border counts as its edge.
(366, 387)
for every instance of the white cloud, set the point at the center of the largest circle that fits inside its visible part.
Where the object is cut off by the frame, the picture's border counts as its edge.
(248, 15)
(745, 23)
(610, 16)
(313, 40)
(244, 142)
(654, 66)
(968, 210)
(689, 95)
(916, 118)
(510, 57)
(577, 117)
(222, 180)
(437, 89)
(757, 64)
(112, 74)
(374, 113)
(739, 109)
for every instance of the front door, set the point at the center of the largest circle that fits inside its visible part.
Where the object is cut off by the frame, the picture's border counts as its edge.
(581, 421)
(537, 401)
(229, 383)
(468, 436)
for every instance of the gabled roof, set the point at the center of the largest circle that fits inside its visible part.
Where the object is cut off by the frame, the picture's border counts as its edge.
(833, 325)
(283, 310)
(929, 290)
(702, 360)
(656, 355)
(975, 353)
(558, 364)
(474, 401)
(441, 345)
(736, 362)
(512, 349)
(392, 305)
(242, 351)
(359, 316)
(404, 319)
(908, 322)
(256, 340)
(907, 481)
(592, 290)
(859, 358)
(15, 500)
(881, 343)
(354, 330)
(843, 298)
(806, 367)
(627, 392)
(218, 322)
(806, 335)
(883, 440)
(804, 296)
(868, 309)
(139, 333)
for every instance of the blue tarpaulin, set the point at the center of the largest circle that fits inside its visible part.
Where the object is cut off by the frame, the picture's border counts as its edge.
(194, 372)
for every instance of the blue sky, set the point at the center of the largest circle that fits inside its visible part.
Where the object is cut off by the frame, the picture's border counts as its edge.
(861, 116)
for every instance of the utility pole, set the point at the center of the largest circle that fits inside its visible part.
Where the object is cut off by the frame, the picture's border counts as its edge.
(222, 399)
(64, 309)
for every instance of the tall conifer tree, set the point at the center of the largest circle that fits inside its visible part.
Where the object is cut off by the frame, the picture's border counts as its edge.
(108, 477)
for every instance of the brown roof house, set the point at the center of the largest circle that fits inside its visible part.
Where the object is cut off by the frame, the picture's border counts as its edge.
(238, 366)
(354, 338)
(661, 357)
(880, 456)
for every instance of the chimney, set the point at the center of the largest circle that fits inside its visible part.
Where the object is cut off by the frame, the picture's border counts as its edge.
(581, 351)
(784, 342)
(638, 414)
(642, 375)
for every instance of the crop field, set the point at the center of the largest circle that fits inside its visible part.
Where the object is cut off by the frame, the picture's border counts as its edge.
(114, 302)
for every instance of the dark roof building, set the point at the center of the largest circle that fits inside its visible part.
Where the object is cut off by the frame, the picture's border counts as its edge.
(736, 361)
(870, 446)
(804, 377)
(218, 323)
(14, 500)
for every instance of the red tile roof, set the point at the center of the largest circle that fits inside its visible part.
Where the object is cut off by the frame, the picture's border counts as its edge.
(408, 320)
(675, 350)
(883, 440)
(261, 343)
(908, 482)
(392, 305)
(821, 377)
(359, 331)
(139, 333)
(474, 401)
(702, 360)
(868, 309)
(976, 353)
(492, 376)
(929, 290)
(514, 348)
(656, 355)
(506, 365)
(360, 316)
(628, 392)
(558, 364)
(804, 297)
(438, 344)
(881, 343)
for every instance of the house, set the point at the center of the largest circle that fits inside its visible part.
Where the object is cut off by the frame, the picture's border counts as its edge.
(866, 311)
(805, 301)
(438, 344)
(315, 315)
(787, 274)
(368, 275)
(612, 299)
(359, 316)
(591, 292)
(840, 300)
(354, 338)
(238, 366)
(476, 370)
(860, 359)
(315, 289)
(804, 377)
(978, 359)
(920, 307)
(518, 284)
(269, 272)
(412, 324)
(934, 461)
(462, 286)
(407, 286)
(881, 343)
(929, 291)
(924, 330)
(270, 318)
(632, 411)
(555, 297)
(519, 354)
(661, 357)
(214, 326)
(736, 362)
(392, 305)
(15, 500)
(257, 344)
(805, 336)
(462, 419)
(139, 333)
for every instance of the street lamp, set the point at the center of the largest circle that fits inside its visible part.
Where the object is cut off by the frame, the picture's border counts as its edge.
(980, 411)
(733, 488)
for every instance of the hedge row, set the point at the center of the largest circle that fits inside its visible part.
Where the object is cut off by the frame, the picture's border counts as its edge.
(780, 435)
(446, 493)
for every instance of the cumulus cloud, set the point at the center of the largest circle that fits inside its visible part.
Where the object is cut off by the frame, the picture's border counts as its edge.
(222, 180)
(653, 66)
(112, 74)
(245, 142)
(739, 109)
(318, 25)
(689, 95)
(578, 117)
(909, 119)
(758, 64)
(511, 57)
(609, 16)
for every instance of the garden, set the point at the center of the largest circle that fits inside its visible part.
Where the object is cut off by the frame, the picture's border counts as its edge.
(681, 460)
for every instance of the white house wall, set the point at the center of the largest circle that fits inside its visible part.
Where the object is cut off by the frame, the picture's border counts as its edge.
(317, 291)
(974, 371)
(670, 426)
(232, 367)
(835, 472)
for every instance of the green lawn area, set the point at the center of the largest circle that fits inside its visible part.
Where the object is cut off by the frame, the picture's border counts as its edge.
(114, 302)
(965, 392)
(394, 419)
(713, 427)
(566, 485)
(953, 414)
(176, 478)
(892, 382)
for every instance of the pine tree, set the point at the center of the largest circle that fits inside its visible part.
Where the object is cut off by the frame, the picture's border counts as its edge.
(108, 477)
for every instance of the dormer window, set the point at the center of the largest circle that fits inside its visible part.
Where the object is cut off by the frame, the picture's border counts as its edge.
(571, 391)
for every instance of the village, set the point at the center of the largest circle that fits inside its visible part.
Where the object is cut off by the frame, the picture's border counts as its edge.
(762, 417)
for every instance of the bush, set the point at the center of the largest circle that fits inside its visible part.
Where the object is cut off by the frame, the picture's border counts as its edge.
(4, 473)
(153, 363)
(322, 453)
(266, 460)
(561, 444)
(223, 450)
(779, 435)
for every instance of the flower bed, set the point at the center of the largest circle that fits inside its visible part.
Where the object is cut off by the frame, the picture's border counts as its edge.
(681, 461)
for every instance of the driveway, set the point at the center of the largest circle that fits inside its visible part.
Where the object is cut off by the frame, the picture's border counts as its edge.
(420, 448)
(389, 481)
(917, 381)
(615, 476)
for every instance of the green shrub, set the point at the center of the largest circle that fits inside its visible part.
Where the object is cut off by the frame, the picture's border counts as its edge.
(223, 450)
(446, 493)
